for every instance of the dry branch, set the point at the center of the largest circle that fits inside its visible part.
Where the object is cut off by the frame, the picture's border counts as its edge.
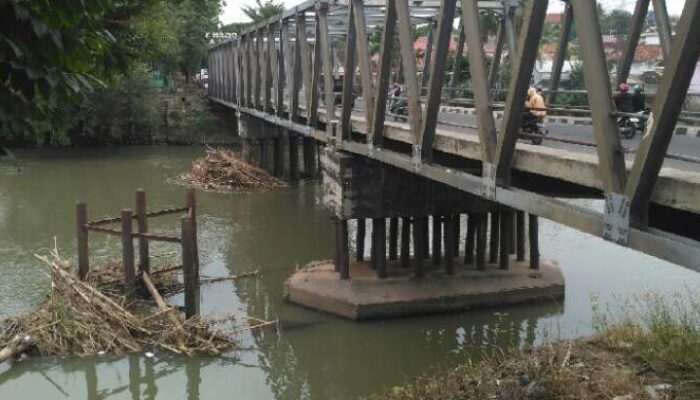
(221, 169)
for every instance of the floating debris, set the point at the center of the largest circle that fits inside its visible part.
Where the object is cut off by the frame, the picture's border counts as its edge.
(91, 317)
(221, 169)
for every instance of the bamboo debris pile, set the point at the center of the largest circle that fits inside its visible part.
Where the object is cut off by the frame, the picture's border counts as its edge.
(91, 317)
(221, 169)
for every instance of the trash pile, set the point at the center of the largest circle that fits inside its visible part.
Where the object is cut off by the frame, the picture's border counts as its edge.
(221, 169)
(92, 317)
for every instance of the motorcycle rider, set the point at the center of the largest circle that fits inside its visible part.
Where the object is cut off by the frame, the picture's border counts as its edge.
(638, 103)
(396, 101)
(623, 99)
(534, 107)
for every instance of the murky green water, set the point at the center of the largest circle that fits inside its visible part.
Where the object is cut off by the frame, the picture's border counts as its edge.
(310, 355)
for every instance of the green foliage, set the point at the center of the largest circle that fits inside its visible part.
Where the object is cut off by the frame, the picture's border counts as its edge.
(195, 19)
(615, 22)
(263, 10)
(125, 112)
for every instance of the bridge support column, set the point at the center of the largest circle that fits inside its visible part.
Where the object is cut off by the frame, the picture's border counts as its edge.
(393, 238)
(247, 150)
(294, 157)
(309, 151)
(405, 242)
(361, 189)
(534, 242)
(437, 239)
(360, 240)
(264, 154)
(278, 150)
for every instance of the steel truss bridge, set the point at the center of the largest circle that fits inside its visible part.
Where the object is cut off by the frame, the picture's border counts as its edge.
(281, 71)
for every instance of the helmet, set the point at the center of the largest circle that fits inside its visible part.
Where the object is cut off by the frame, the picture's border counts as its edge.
(624, 87)
(531, 92)
(638, 89)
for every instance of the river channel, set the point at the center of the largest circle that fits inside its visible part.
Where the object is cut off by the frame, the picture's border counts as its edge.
(309, 355)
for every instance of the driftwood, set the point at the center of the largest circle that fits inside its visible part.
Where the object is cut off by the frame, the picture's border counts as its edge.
(221, 169)
(15, 347)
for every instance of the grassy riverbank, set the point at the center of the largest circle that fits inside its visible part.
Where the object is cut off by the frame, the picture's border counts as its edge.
(651, 352)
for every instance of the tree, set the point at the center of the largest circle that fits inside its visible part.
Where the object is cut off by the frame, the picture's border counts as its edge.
(196, 20)
(263, 10)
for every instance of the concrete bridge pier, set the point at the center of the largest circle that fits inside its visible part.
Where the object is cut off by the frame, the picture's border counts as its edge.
(416, 263)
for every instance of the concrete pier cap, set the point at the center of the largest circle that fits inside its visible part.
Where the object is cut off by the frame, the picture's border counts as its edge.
(442, 279)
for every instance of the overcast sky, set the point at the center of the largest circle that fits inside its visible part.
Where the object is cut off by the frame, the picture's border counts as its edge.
(232, 11)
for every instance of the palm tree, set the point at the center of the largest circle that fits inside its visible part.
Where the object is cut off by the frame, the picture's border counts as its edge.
(263, 10)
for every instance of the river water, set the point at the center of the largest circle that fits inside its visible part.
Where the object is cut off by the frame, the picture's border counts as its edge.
(309, 355)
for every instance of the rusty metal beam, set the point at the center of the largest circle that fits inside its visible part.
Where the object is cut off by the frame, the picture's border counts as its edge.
(350, 46)
(456, 66)
(530, 32)
(561, 54)
(326, 62)
(386, 46)
(663, 26)
(611, 159)
(408, 58)
(497, 54)
(363, 58)
(477, 67)
(641, 10)
(437, 77)
(678, 73)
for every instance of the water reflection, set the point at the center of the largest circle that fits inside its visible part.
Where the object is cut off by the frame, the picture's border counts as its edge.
(310, 355)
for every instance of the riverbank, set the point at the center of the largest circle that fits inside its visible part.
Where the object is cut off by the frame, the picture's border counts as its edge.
(655, 355)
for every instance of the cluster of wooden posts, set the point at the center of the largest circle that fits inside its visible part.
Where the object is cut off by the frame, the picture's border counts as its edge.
(505, 238)
(274, 160)
(187, 239)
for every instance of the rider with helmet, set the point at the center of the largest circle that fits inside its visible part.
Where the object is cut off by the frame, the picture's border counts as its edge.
(623, 99)
(534, 106)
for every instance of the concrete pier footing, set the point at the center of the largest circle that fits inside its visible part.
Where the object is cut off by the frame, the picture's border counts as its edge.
(367, 296)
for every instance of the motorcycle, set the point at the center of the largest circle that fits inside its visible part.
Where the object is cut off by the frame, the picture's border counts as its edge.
(398, 109)
(630, 125)
(535, 129)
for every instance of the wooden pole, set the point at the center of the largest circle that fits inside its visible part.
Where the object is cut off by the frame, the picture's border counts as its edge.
(493, 245)
(128, 254)
(379, 226)
(520, 235)
(82, 235)
(470, 241)
(336, 245)
(393, 238)
(264, 154)
(418, 246)
(450, 226)
(344, 254)
(309, 150)
(437, 239)
(534, 242)
(426, 237)
(189, 269)
(360, 234)
(142, 227)
(279, 157)
(405, 242)
(191, 203)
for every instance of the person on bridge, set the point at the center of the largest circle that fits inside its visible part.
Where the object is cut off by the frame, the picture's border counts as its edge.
(623, 99)
(638, 102)
(534, 106)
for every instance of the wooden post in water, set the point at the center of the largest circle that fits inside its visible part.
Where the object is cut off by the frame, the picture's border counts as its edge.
(393, 238)
(426, 236)
(405, 242)
(534, 242)
(309, 150)
(189, 269)
(470, 241)
(128, 254)
(191, 203)
(246, 151)
(520, 235)
(142, 227)
(450, 226)
(379, 226)
(336, 245)
(360, 233)
(418, 245)
(264, 154)
(343, 251)
(495, 233)
(82, 236)
(437, 239)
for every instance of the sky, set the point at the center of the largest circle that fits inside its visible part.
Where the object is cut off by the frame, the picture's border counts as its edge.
(232, 10)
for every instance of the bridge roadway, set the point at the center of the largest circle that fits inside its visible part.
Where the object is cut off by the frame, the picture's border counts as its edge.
(569, 170)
